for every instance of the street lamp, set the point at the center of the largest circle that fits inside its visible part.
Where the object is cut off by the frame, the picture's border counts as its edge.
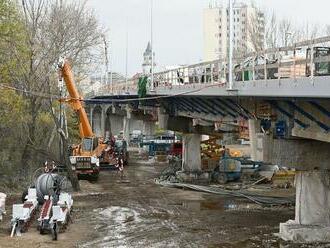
(106, 58)
(286, 38)
(152, 45)
(231, 47)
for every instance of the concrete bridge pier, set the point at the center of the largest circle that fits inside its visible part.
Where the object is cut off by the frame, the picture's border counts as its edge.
(130, 124)
(312, 182)
(149, 128)
(312, 212)
(191, 157)
(97, 119)
(191, 160)
(254, 128)
(117, 123)
(126, 128)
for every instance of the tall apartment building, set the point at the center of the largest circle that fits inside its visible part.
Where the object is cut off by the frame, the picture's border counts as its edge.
(249, 30)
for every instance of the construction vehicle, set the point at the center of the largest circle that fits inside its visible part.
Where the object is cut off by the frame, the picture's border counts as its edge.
(85, 157)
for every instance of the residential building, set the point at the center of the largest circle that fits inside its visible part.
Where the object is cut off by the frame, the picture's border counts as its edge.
(249, 29)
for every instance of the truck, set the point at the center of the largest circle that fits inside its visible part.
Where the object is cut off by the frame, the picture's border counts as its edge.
(85, 157)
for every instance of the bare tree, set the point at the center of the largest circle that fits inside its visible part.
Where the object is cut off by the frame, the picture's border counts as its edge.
(256, 29)
(327, 29)
(307, 32)
(54, 29)
(286, 32)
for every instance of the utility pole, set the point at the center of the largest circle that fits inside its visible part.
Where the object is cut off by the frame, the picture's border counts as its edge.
(61, 85)
(231, 47)
(126, 63)
(111, 65)
(286, 40)
(106, 59)
(152, 45)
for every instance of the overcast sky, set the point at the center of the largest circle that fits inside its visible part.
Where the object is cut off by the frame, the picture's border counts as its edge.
(178, 34)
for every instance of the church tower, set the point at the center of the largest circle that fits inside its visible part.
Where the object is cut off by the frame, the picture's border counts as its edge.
(147, 60)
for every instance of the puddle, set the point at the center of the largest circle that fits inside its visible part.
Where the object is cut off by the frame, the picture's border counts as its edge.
(127, 227)
(218, 205)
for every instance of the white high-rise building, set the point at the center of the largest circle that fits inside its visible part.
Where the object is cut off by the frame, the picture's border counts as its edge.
(249, 29)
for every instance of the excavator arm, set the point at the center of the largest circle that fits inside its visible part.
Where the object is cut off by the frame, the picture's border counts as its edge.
(75, 100)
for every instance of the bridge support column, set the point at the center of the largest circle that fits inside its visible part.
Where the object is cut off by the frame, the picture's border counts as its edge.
(117, 123)
(191, 157)
(254, 128)
(91, 116)
(127, 124)
(163, 118)
(312, 213)
(103, 114)
(149, 128)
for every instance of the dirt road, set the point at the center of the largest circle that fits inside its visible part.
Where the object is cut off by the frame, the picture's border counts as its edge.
(137, 213)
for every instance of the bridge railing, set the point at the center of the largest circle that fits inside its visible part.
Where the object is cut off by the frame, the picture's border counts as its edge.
(304, 59)
(120, 88)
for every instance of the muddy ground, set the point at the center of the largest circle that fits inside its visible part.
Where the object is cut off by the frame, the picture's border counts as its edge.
(137, 213)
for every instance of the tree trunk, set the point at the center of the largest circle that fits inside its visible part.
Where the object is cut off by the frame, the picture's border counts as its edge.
(27, 152)
(65, 159)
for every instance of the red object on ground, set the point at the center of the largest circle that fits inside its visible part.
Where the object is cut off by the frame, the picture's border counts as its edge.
(176, 149)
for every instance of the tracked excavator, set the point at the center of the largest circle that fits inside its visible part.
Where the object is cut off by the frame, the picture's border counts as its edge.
(86, 157)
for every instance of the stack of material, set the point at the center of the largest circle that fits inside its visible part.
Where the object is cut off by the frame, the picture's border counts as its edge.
(283, 178)
(136, 155)
(292, 67)
(161, 157)
(211, 153)
(243, 130)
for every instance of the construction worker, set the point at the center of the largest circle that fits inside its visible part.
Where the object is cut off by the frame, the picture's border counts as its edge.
(120, 166)
(49, 166)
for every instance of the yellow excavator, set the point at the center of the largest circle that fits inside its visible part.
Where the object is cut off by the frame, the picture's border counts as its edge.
(85, 157)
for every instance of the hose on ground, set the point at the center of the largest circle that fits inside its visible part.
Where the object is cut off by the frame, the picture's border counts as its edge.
(256, 198)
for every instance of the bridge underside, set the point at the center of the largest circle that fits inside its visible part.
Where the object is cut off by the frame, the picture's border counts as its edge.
(285, 129)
